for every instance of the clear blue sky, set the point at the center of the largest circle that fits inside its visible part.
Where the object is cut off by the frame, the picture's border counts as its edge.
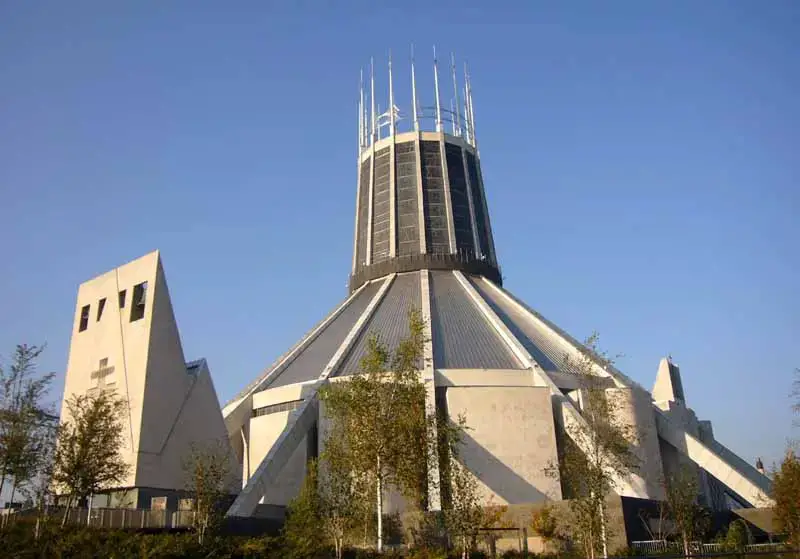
(641, 163)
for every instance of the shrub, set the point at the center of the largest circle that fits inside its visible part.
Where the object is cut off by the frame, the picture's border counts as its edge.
(737, 536)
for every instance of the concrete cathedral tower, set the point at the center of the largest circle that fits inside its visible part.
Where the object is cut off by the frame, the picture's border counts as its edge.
(423, 237)
(125, 338)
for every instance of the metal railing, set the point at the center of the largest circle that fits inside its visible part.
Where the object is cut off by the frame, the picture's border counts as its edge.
(698, 549)
(116, 518)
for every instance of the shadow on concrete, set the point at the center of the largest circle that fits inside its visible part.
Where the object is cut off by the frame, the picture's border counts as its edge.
(498, 477)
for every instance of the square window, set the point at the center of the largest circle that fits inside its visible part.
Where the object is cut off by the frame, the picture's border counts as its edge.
(84, 324)
(100, 307)
(122, 299)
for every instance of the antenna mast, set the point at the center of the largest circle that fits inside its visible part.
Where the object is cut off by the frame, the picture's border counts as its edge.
(414, 91)
(436, 87)
(467, 131)
(471, 109)
(391, 98)
(457, 120)
(372, 97)
(361, 110)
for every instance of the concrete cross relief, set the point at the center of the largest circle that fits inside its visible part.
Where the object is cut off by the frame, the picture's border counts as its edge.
(100, 377)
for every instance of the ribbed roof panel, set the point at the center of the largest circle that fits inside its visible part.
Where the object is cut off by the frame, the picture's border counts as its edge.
(512, 321)
(310, 362)
(389, 321)
(543, 345)
(462, 338)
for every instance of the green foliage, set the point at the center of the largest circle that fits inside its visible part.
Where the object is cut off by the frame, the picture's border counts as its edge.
(691, 520)
(17, 541)
(379, 434)
(26, 424)
(427, 553)
(738, 535)
(301, 531)
(207, 472)
(464, 516)
(544, 523)
(87, 456)
(786, 492)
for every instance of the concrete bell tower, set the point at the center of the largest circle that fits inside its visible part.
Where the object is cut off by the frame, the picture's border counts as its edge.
(125, 338)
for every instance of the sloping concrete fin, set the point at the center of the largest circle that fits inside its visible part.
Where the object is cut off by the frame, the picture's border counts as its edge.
(296, 429)
(736, 475)
(668, 386)
(575, 426)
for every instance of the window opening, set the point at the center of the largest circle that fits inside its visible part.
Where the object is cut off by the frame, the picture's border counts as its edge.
(122, 299)
(277, 408)
(84, 324)
(100, 307)
(138, 301)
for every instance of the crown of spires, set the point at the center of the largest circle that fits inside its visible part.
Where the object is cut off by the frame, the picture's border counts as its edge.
(460, 115)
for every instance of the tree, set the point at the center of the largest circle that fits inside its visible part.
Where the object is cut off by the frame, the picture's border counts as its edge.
(378, 419)
(796, 394)
(464, 515)
(329, 503)
(738, 535)
(544, 523)
(604, 452)
(786, 492)
(25, 420)
(39, 489)
(88, 447)
(301, 529)
(340, 494)
(689, 517)
(207, 470)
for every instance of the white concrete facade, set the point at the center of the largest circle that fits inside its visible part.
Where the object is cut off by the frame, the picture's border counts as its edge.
(125, 338)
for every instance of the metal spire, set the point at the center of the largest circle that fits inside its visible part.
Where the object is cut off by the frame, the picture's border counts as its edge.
(414, 91)
(436, 87)
(471, 110)
(372, 98)
(467, 131)
(391, 98)
(457, 121)
(366, 126)
(361, 110)
(453, 120)
(467, 121)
